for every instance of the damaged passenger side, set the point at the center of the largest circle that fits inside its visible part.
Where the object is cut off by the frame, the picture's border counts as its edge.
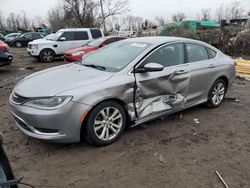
(161, 89)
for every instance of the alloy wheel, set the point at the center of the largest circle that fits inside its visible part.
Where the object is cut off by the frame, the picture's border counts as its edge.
(108, 123)
(18, 44)
(218, 93)
(48, 56)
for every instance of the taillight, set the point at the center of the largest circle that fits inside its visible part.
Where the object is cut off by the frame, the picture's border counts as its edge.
(3, 47)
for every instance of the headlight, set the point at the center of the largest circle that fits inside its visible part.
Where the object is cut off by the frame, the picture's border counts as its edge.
(50, 103)
(34, 46)
(78, 53)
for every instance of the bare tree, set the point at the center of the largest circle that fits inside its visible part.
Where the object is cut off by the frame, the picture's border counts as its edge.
(111, 8)
(25, 21)
(160, 20)
(80, 12)
(219, 13)
(178, 17)
(56, 18)
(205, 14)
(236, 10)
(12, 22)
(2, 22)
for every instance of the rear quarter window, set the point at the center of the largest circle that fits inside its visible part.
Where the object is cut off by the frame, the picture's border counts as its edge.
(211, 53)
(81, 35)
(196, 53)
(96, 33)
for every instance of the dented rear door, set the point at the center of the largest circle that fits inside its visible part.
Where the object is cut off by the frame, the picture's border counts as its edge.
(165, 90)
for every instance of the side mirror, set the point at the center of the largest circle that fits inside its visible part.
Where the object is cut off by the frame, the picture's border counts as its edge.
(151, 67)
(62, 39)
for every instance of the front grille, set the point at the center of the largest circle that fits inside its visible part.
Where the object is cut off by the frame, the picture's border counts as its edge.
(18, 99)
(29, 46)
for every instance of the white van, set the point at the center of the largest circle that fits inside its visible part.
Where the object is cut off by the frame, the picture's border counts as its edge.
(64, 39)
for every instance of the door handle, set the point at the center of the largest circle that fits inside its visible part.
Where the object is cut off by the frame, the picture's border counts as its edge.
(179, 72)
(211, 66)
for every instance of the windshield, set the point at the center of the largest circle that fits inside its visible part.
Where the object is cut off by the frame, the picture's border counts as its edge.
(115, 56)
(23, 35)
(49, 37)
(95, 42)
(56, 36)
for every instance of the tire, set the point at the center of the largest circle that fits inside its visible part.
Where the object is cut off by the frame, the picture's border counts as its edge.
(18, 44)
(100, 130)
(216, 94)
(47, 55)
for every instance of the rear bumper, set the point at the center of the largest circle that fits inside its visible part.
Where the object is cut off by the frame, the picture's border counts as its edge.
(6, 59)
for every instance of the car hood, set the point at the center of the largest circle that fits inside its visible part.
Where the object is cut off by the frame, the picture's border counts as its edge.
(56, 80)
(80, 49)
(42, 41)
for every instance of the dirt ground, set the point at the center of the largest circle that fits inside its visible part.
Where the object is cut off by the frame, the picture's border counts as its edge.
(171, 152)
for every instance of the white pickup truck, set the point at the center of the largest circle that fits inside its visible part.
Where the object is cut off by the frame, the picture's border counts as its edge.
(64, 39)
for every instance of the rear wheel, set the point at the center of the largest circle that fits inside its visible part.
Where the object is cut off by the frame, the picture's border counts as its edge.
(216, 93)
(105, 123)
(18, 44)
(47, 55)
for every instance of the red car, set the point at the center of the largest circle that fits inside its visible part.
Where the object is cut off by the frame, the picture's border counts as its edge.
(5, 56)
(77, 53)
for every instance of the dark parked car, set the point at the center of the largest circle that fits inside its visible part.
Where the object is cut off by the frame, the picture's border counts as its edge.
(24, 39)
(2, 38)
(11, 36)
(5, 56)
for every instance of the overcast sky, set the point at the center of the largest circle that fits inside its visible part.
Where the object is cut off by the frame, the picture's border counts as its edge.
(145, 8)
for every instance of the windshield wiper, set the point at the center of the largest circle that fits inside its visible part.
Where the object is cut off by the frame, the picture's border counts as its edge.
(98, 67)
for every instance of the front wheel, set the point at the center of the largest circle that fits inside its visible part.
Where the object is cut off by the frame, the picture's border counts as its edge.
(105, 123)
(18, 44)
(47, 56)
(216, 94)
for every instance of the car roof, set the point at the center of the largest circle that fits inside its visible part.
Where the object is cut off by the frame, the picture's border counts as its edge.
(162, 39)
(14, 33)
(77, 29)
(110, 37)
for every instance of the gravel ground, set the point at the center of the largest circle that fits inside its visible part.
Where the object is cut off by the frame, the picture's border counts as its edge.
(171, 152)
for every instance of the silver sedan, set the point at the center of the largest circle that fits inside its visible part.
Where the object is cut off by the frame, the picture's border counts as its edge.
(121, 85)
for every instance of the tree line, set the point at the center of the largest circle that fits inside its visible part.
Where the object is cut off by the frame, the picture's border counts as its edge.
(107, 13)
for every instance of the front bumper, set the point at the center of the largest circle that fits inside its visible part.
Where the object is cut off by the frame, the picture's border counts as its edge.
(61, 126)
(33, 52)
(70, 58)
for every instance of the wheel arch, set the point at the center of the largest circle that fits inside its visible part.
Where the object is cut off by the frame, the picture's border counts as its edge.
(47, 48)
(225, 79)
(119, 101)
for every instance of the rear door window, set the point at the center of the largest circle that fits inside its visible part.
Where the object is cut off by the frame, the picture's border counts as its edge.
(36, 35)
(81, 35)
(196, 53)
(96, 33)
